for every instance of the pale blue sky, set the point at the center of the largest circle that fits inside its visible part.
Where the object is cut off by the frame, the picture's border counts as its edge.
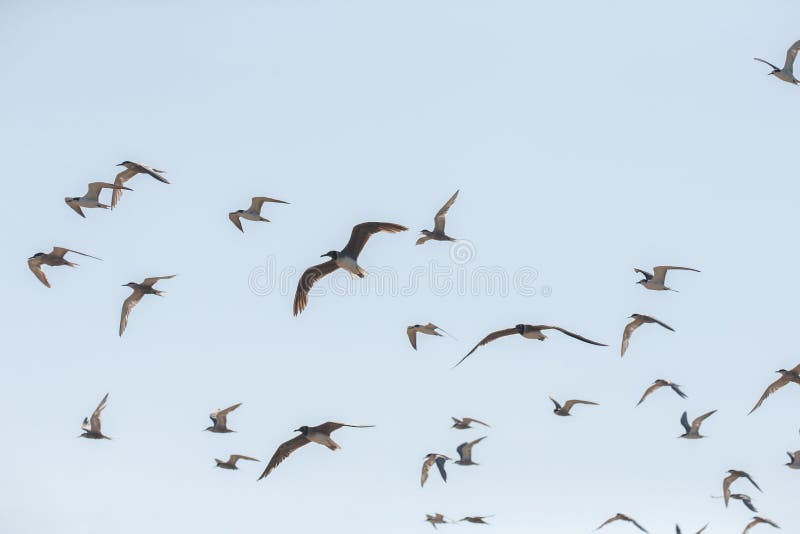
(586, 138)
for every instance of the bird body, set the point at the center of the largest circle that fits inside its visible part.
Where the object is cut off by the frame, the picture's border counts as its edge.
(220, 420)
(730, 479)
(438, 234)
(132, 169)
(92, 197)
(92, 427)
(465, 452)
(253, 213)
(794, 460)
(55, 258)
(139, 291)
(759, 521)
(786, 73)
(693, 430)
(655, 281)
(477, 519)
(430, 459)
(638, 320)
(429, 329)
(660, 383)
(563, 411)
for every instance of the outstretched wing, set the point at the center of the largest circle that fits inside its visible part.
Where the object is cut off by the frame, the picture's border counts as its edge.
(234, 217)
(772, 388)
(572, 402)
(412, 336)
(699, 420)
(236, 457)
(257, 202)
(119, 181)
(220, 417)
(284, 450)
(36, 268)
(685, 422)
(488, 339)
(791, 55)
(647, 275)
(767, 62)
(127, 306)
(648, 391)
(570, 334)
(469, 420)
(626, 334)
(330, 426)
(61, 251)
(439, 219)
(423, 239)
(95, 419)
(307, 281)
(362, 232)
(153, 279)
(660, 272)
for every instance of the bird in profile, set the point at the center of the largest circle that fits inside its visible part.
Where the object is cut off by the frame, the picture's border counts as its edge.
(693, 431)
(465, 423)
(730, 479)
(679, 531)
(428, 329)
(787, 377)
(658, 384)
(638, 320)
(794, 460)
(655, 281)
(759, 521)
(465, 452)
(131, 170)
(622, 517)
(438, 224)
(92, 197)
(346, 259)
(230, 463)
(253, 213)
(477, 519)
(55, 258)
(139, 291)
(320, 434)
(220, 420)
(91, 426)
(430, 459)
(786, 73)
(435, 519)
(564, 411)
(528, 332)
(746, 500)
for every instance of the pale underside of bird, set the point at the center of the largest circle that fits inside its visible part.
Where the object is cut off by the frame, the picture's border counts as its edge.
(622, 517)
(477, 519)
(139, 291)
(320, 434)
(430, 459)
(55, 258)
(346, 259)
(679, 531)
(564, 410)
(92, 428)
(794, 460)
(730, 479)
(528, 332)
(759, 521)
(465, 452)
(786, 73)
(435, 519)
(655, 281)
(230, 463)
(465, 423)
(693, 430)
(429, 329)
(658, 384)
(219, 418)
(92, 197)
(253, 213)
(638, 320)
(787, 377)
(132, 169)
(438, 233)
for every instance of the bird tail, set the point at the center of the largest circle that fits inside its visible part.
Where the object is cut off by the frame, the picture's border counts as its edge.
(159, 293)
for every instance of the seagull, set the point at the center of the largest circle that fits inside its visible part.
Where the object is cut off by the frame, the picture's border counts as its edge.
(320, 434)
(678, 529)
(622, 517)
(786, 73)
(733, 476)
(564, 411)
(92, 197)
(220, 420)
(91, 425)
(430, 459)
(139, 290)
(478, 519)
(794, 460)
(465, 452)
(435, 519)
(54, 259)
(746, 500)
(658, 384)
(438, 224)
(529, 332)
(131, 170)
(758, 521)
(638, 320)
(230, 463)
(429, 329)
(793, 375)
(463, 424)
(655, 281)
(346, 259)
(253, 213)
(693, 431)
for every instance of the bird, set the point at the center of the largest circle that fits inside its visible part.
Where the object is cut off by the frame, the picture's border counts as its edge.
(435, 519)
(658, 384)
(655, 281)
(438, 224)
(564, 411)
(465, 452)
(693, 431)
(785, 74)
(253, 213)
(131, 170)
(91, 426)
(759, 521)
(346, 259)
(429, 329)
(220, 420)
(55, 258)
(430, 459)
(678, 530)
(529, 332)
(622, 517)
(320, 434)
(477, 519)
(230, 463)
(730, 479)
(787, 377)
(794, 460)
(92, 197)
(638, 320)
(139, 291)
(746, 500)
(463, 424)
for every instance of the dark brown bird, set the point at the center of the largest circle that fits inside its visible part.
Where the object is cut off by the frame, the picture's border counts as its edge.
(220, 420)
(232, 459)
(658, 384)
(465, 452)
(787, 377)
(53, 259)
(435, 519)
(91, 426)
(622, 517)
(477, 519)
(430, 459)
(728, 480)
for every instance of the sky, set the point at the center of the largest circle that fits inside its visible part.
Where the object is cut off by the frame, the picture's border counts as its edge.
(586, 139)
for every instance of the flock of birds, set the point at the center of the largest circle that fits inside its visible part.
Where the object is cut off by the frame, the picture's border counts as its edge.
(347, 259)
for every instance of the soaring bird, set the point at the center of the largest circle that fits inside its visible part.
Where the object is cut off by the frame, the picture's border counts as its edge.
(528, 332)
(622, 517)
(320, 434)
(430, 459)
(564, 411)
(220, 420)
(730, 479)
(794, 460)
(693, 431)
(658, 384)
(746, 500)
(139, 291)
(638, 320)
(91, 425)
(655, 281)
(477, 519)
(53, 259)
(787, 72)
(435, 519)
(465, 452)
(230, 463)
(253, 213)
(759, 521)
(463, 424)
(787, 377)
(131, 170)
(92, 197)
(429, 329)
(346, 259)
(438, 224)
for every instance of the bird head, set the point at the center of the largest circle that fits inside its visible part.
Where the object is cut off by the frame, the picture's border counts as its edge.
(332, 254)
(642, 281)
(131, 285)
(71, 199)
(36, 255)
(124, 163)
(303, 429)
(520, 328)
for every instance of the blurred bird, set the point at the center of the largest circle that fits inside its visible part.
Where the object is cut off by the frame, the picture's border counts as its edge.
(92, 197)
(435, 519)
(131, 170)
(622, 517)
(465, 452)
(655, 281)
(477, 519)
(463, 424)
(693, 431)
(638, 320)
(730, 479)
(91, 425)
(139, 291)
(759, 521)
(429, 329)
(658, 384)
(430, 459)
(786, 73)
(53, 259)
(230, 463)
(564, 411)
(438, 221)
(787, 377)
(253, 213)
(678, 530)
(220, 420)
(746, 500)
(794, 460)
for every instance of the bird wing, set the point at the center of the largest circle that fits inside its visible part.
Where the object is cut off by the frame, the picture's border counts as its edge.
(726, 487)
(676, 388)
(660, 272)
(77, 209)
(95, 419)
(127, 306)
(85, 425)
(234, 217)
(36, 268)
(637, 525)
(220, 417)
(423, 239)
(753, 482)
(93, 192)
(120, 180)
(284, 450)
(440, 461)
(665, 325)
(257, 202)
(699, 420)
(412, 336)
(647, 275)
(626, 334)
(307, 281)
(558, 406)
(649, 390)
(607, 521)
(570, 334)
(438, 220)
(469, 420)
(426, 466)
(749, 503)
(61, 251)
(791, 55)
(750, 525)
(362, 232)
(685, 422)
(155, 173)
(772, 388)
(572, 402)
(465, 449)
(702, 529)
(236, 457)
(153, 279)
(330, 426)
(488, 339)
(767, 62)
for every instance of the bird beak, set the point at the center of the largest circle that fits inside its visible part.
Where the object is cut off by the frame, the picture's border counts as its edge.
(296, 430)
(119, 165)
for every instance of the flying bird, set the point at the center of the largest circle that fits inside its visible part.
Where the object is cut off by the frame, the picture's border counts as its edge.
(730, 479)
(92, 197)
(678, 530)
(346, 259)
(477, 519)
(253, 213)
(693, 431)
(564, 411)
(787, 377)
(131, 170)
(658, 384)
(746, 500)
(230, 463)
(787, 72)
(220, 420)
(463, 424)
(430, 459)
(139, 291)
(320, 434)
(759, 521)
(91, 425)
(55, 258)
(655, 281)
(528, 332)
(429, 329)
(438, 224)
(435, 519)
(622, 517)
(465, 452)
(794, 460)
(638, 320)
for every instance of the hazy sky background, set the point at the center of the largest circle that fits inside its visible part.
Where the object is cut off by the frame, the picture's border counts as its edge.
(586, 137)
